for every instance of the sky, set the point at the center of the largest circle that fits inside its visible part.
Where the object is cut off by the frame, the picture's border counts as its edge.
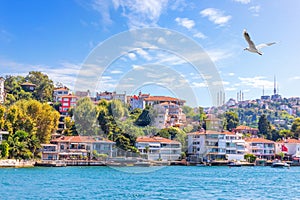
(155, 46)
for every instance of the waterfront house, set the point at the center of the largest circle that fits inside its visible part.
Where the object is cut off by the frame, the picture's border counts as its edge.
(68, 147)
(290, 147)
(158, 148)
(261, 148)
(215, 145)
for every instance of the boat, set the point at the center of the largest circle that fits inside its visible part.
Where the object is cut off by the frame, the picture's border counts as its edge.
(279, 164)
(234, 164)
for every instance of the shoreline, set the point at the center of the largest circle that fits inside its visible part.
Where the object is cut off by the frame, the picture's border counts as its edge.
(12, 163)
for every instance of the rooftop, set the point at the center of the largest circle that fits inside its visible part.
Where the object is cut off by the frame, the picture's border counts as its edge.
(259, 140)
(156, 139)
(78, 139)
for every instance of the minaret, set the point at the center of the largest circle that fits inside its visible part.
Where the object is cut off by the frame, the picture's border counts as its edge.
(274, 84)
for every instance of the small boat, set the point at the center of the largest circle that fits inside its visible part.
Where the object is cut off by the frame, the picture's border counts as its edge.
(279, 164)
(234, 164)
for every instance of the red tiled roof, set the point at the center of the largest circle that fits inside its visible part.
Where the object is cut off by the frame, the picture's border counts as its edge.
(258, 140)
(61, 89)
(156, 139)
(162, 98)
(243, 127)
(78, 139)
(29, 84)
(70, 96)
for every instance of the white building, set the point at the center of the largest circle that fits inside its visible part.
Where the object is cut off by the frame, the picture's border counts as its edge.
(168, 114)
(2, 93)
(261, 148)
(214, 145)
(59, 92)
(158, 148)
(291, 148)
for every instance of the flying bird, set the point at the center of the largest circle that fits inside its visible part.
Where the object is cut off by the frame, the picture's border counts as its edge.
(252, 48)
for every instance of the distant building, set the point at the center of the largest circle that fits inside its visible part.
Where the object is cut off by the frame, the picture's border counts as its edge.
(168, 114)
(2, 92)
(158, 148)
(81, 94)
(28, 87)
(59, 92)
(246, 130)
(67, 102)
(110, 96)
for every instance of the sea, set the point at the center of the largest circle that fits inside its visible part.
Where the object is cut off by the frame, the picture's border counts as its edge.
(168, 182)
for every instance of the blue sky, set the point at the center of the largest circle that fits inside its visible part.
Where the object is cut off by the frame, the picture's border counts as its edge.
(57, 37)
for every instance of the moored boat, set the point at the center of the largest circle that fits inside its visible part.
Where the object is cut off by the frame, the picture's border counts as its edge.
(279, 164)
(234, 164)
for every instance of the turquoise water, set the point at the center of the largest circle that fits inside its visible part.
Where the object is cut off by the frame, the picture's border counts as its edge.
(159, 183)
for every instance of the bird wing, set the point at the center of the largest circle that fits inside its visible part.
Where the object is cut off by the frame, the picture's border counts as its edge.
(265, 45)
(248, 39)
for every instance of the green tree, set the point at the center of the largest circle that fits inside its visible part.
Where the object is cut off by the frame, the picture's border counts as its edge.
(264, 127)
(86, 117)
(250, 158)
(296, 128)
(231, 120)
(4, 149)
(146, 117)
(44, 86)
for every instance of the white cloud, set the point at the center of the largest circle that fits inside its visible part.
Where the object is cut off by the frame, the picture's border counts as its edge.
(255, 10)
(199, 35)
(141, 13)
(216, 16)
(137, 67)
(295, 78)
(116, 72)
(185, 22)
(256, 82)
(231, 74)
(161, 40)
(132, 56)
(102, 7)
(144, 54)
(218, 54)
(230, 89)
(243, 1)
(199, 85)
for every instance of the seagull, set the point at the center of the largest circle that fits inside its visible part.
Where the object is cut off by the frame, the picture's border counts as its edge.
(252, 48)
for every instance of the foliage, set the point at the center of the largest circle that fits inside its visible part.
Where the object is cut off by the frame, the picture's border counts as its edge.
(4, 148)
(70, 128)
(231, 120)
(174, 133)
(44, 86)
(264, 127)
(19, 146)
(296, 128)
(85, 115)
(146, 118)
(250, 158)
